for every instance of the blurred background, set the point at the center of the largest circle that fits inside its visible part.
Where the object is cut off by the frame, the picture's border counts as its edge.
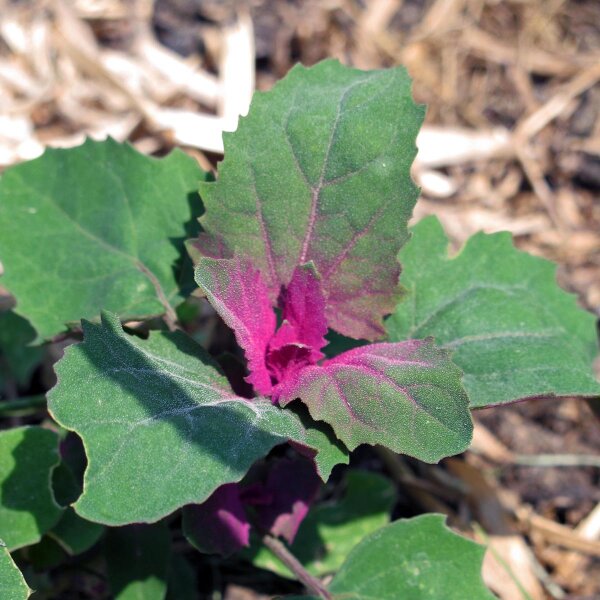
(511, 142)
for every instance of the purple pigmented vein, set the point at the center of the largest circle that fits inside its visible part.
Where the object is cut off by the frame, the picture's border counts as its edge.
(354, 240)
(403, 390)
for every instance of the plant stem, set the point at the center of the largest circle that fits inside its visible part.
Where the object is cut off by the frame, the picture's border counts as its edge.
(293, 564)
(26, 404)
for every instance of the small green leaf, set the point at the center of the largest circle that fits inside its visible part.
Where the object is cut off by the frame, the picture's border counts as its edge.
(96, 227)
(320, 438)
(74, 534)
(27, 507)
(512, 330)
(138, 559)
(319, 171)
(12, 584)
(332, 529)
(17, 358)
(161, 426)
(413, 559)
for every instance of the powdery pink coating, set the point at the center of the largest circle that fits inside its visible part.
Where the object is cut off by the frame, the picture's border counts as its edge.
(238, 294)
(220, 522)
(303, 307)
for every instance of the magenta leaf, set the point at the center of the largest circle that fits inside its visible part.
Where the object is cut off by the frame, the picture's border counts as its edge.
(331, 185)
(238, 294)
(406, 396)
(219, 525)
(303, 307)
(291, 487)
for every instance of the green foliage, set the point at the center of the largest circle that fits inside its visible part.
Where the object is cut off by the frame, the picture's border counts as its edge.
(111, 220)
(74, 534)
(17, 358)
(512, 330)
(12, 584)
(413, 559)
(160, 423)
(138, 559)
(407, 397)
(27, 506)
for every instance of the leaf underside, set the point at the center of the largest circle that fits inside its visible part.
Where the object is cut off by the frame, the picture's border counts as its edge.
(332, 186)
(160, 424)
(27, 507)
(96, 227)
(512, 330)
(332, 529)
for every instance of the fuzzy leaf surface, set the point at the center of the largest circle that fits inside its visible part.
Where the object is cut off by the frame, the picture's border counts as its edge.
(238, 294)
(27, 506)
(96, 227)
(512, 330)
(330, 184)
(12, 583)
(160, 424)
(413, 559)
(406, 396)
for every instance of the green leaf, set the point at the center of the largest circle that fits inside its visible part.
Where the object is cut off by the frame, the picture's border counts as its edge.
(138, 559)
(333, 528)
(319, 171)
(512, 330)
(160, 424)
(183, 581)
(96, 227)
(17, 359)
(12, 584)
(413, 559)
(27, 507)
(320, 439)
(406, 396)
(74, 534)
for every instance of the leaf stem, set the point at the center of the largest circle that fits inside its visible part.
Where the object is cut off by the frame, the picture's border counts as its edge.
(19, 405)
(293, 564)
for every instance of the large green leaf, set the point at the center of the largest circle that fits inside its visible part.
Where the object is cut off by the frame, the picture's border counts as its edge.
(93, 227)
(333, 528)
(160, 424)
(27, 507)
(512, 330)
(319, 171)
(12, 584)
(138, 559)
(413, 559)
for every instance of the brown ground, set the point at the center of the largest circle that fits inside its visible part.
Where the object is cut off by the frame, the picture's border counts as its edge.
(516, 81)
